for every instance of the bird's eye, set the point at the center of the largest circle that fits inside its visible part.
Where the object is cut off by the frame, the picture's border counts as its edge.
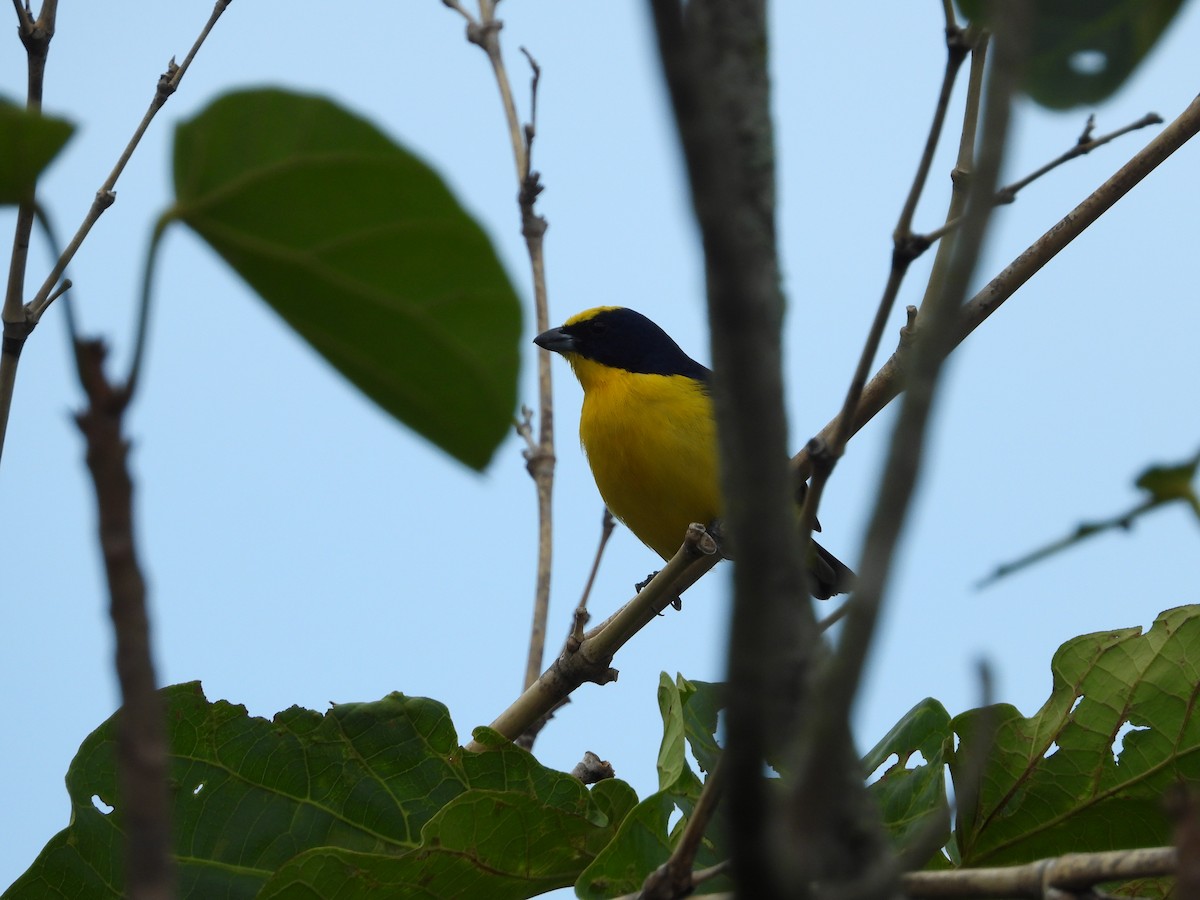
(599, 327)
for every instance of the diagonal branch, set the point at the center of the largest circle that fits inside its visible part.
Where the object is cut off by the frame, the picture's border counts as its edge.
(887, 383)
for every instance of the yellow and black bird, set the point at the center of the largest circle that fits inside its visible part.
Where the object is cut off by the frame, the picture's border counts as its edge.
(648, 431)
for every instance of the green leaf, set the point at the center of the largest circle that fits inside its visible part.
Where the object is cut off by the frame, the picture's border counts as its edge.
(702, 703)
(1057, 782)
(910, 799)
(28, 142)
(1169, 483)
(645, 839)
(1084, 50)
(362, 249)
(495, 844)
(365, 781)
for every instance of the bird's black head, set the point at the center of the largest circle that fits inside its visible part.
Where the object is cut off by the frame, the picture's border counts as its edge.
(623, 339)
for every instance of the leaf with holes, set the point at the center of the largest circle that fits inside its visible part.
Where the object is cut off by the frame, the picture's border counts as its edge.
(384, 784)
(1087, 772)
(29, 142)
(1082, 52)
(362, 249)
(912, 799)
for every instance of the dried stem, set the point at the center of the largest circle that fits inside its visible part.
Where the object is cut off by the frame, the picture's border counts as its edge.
(539, 457)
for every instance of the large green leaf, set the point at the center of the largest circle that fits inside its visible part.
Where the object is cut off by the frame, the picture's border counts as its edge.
(362, 249)
(1083, 50)
(912, 799)
(28, 142)
(1057, 781)
(382, 783)
(495, 844)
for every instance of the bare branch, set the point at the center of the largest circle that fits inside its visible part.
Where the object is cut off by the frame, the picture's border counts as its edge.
(886, 385)
(1074, 872)
(539, 456)
(19, 320)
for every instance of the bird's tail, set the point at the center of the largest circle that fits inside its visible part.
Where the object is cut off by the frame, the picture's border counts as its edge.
(828, 575)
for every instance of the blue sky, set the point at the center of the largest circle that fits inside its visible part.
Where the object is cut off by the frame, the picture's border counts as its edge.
(303, 548)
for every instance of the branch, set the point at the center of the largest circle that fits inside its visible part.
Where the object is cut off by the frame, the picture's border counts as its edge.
(1073, 873)
(1085, 145)
(539, 457)
(142, 759)
(591, 659)
(714, 58)
(905, 249)
(886, 385)
(20, 320)
(1166, 484)
(35, 36)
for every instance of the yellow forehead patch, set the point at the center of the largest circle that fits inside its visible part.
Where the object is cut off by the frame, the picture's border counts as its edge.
(588, 314)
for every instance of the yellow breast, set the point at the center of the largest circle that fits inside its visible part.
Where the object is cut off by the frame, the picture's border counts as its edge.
(651, 443)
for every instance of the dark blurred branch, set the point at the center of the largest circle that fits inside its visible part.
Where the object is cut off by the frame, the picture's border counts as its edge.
(143, 800)
(714, 55)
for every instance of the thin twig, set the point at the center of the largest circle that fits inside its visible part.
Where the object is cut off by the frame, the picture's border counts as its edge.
(934, 342)
(580, 619)
(886, 385)
(20, 319)
(539, 456)
(1082, 532)
(575, 635)
(1086, 144)
(839, 681)
(592, 659)
(35, 36)
(904, 250)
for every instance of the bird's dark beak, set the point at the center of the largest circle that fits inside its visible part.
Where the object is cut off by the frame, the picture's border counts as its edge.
(555, 340)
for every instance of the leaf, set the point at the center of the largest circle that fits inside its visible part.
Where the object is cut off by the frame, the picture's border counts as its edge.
(912, 800)
(646, 838)
(368, 782)
(1084, 50)
(1166, 483)
(703, 702)
(1058, 782)
(28, 143)
(362, 249)
(496, 844)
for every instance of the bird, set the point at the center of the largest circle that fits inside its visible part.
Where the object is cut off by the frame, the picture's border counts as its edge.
(648, 430)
